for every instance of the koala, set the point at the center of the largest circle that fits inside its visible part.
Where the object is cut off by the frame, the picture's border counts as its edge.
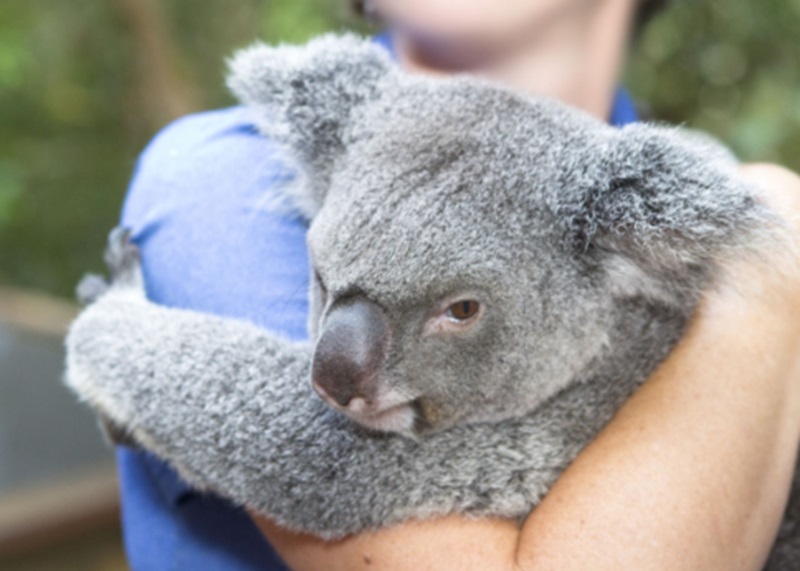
(493, 275)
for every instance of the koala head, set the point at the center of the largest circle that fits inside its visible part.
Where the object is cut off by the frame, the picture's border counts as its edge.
(469, 243)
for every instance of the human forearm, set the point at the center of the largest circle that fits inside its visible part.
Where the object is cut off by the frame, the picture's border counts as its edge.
(694, 471)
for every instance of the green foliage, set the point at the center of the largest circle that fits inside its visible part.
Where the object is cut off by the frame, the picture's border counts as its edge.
(77, 105)
(729, 67)
(85, 84)
(10, 192)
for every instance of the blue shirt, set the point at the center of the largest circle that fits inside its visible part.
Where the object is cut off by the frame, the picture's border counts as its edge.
(197, 206)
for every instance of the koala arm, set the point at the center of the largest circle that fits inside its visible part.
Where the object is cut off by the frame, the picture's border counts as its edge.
(126, 356)
(229, 405)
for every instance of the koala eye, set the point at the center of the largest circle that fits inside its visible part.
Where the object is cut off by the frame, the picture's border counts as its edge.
(460, 316)
(463, 309)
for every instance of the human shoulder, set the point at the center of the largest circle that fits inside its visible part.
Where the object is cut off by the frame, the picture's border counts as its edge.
(203, 208)
(204, 156)
(198, 129)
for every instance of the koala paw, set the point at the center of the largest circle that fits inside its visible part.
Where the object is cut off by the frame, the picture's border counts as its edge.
(124, 266)
(114, 434)
(91, 288)
(122, 259)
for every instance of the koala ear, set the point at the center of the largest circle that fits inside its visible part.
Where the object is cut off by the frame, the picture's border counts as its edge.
(659, 207)
(304, 98)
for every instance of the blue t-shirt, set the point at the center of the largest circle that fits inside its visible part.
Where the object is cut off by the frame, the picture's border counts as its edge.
(197, 206)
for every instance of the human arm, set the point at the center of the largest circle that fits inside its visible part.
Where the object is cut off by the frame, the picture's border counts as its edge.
(692, 473)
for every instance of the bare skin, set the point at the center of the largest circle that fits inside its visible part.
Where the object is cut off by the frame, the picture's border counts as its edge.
(558, 48)
(694, 471)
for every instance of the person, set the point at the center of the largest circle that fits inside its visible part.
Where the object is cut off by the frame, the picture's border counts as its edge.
(694, 471)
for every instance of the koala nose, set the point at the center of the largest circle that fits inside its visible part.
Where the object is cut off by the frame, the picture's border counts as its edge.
(350, 351)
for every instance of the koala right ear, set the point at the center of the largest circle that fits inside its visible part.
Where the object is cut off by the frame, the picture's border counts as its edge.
(304, 97)
(660, 207)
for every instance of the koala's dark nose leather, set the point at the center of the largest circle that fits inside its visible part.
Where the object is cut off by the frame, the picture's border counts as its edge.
(350, 351)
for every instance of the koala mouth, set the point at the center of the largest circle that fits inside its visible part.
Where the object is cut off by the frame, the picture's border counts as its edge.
(388, 411)
(400, 418)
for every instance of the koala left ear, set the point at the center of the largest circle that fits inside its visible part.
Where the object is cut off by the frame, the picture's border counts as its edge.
(304, 98)
(658, 204)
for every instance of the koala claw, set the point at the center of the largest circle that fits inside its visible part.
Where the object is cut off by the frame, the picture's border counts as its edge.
(91, 288)
(122, 259)
(114, 434)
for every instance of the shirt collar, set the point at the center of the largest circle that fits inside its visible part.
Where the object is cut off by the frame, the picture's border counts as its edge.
(623, 110)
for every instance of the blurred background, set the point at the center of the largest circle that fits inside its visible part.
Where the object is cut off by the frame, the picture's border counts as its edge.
(85, 84)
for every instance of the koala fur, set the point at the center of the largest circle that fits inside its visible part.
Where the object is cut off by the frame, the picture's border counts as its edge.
(587, 246)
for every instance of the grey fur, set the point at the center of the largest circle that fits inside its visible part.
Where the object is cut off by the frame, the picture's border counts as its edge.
(588, 245)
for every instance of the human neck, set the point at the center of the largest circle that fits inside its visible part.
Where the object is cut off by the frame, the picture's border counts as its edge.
(576, 60)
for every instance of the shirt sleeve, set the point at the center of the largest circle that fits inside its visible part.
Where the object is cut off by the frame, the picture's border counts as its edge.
(200, 208)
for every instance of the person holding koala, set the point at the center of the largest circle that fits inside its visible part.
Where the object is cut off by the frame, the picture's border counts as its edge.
(666, 485)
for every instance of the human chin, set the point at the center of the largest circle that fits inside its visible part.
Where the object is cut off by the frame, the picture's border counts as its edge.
(439, 20)
(459, 21)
